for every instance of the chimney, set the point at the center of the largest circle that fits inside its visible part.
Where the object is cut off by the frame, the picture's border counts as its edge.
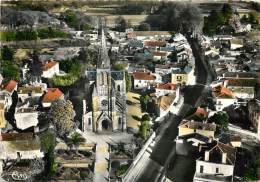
(224, 158)
(206, 157)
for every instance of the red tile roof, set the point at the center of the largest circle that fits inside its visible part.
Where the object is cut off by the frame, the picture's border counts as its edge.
(221, 91)
(200, 112)
(53, 94)
(154, 43)
(10, 86)
(158, 53)
(49, 65)
(166, 86)
(143, 76)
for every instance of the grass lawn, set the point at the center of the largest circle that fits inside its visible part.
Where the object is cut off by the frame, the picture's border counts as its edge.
(133, 109)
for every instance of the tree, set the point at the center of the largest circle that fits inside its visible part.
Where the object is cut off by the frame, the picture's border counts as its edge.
(7, 53)
(10, 71)
(48, 144)
(217, 19)
(173, 56)
(121, 24)
(89, 56)
(63, 117)
(70, 18)
(76, 140)
(177, 17)
(48, 141)
(144, 127)
(220, 118)
(226, 12)
(252, 18)
(144, 27)
(144, 99)
(35, 66)
(145, 117)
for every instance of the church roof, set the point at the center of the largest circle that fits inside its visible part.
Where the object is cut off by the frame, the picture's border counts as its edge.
(117, 75)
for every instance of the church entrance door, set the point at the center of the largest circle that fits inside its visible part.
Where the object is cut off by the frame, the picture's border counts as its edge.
(105, 125)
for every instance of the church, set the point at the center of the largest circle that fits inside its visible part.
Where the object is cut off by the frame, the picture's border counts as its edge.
(107, 112)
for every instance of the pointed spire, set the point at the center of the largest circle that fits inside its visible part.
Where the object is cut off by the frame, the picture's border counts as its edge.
(104, 58)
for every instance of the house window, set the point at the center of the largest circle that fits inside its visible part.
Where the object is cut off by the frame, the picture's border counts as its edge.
(140, 81)
(217, 170)
(201, 169)
(89, 121)
(179, 77)
(136, 86)
(219, 102)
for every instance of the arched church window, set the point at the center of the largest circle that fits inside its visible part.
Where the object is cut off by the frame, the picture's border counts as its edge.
(119, 121)
(118, 88)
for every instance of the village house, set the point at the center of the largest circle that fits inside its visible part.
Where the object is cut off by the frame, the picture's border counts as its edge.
(188, 127)
(178, 37)
(20, 146)
(146, 35)
(30, 91)
(243, 88)
(179, 77)
(197, 114)
(26, 118)
(223, 97)
(50, 69)
(231, 139)
(205, 41)
(217, 164)
(160, 55)
(143, 80)
(162, 89)
(254, 115)
(52, 95)
(154, 45)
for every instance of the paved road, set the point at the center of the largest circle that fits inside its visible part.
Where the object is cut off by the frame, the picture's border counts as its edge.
(151, 167)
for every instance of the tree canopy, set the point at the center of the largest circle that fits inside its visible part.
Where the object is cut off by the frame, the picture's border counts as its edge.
(35, 65)
(7, 53)
(216, 19)
(220, 118)
(144, 127)
(144, 26)
(75, 140)
(121, 24)
(179, 17)
(63, 117)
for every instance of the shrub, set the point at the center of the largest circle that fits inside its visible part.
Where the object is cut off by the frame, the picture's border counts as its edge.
(45, 33)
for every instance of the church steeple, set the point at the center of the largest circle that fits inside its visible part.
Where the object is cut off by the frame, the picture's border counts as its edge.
(103, 54)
